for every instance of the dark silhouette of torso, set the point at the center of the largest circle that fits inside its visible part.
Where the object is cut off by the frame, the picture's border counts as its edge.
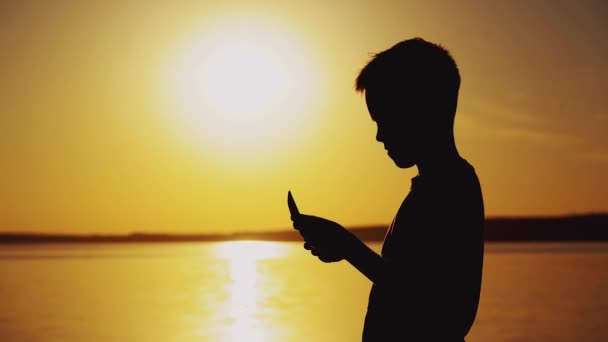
(435, 244)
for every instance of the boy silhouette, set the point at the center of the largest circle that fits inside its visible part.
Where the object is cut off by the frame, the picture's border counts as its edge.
(427, 279)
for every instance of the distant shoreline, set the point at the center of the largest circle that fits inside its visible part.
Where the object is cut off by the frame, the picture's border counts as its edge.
(593, 227)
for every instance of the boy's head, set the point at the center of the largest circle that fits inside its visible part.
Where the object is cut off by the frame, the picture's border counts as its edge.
(411, 92)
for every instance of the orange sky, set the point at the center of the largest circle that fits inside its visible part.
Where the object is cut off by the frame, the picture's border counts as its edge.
(93, 140)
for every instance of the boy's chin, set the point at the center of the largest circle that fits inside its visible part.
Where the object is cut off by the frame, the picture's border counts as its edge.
(403, 163)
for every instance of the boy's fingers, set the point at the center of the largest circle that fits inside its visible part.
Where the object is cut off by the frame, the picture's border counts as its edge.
(308, 234)
(295, 225)
(302, 222)
(297, 221)
(329, 258)
(310, 247)
(325, 259)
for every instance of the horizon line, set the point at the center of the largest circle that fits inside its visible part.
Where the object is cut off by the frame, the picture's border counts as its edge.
(218, 233)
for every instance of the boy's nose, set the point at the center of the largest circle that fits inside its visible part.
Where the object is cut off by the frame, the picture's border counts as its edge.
(379, 135)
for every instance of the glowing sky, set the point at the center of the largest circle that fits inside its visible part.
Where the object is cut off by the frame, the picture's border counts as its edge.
(91, 139)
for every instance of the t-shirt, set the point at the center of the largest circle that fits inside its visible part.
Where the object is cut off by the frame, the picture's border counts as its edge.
(434, 251)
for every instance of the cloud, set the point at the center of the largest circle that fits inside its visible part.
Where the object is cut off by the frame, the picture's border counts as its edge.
(600, 116)
(535, 135)
(595, 156)
(492, 121)
(503, 113)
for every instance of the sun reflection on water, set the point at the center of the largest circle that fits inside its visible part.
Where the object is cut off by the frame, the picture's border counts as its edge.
(244, 292)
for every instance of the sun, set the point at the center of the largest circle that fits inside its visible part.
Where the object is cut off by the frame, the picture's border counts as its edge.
(244, 78)
(244, 86)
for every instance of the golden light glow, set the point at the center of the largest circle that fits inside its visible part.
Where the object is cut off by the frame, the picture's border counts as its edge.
(243, 289)
(243, 85)
(199, 116)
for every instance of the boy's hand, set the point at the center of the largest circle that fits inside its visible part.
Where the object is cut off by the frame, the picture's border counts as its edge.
(324, 238)
(325, 257)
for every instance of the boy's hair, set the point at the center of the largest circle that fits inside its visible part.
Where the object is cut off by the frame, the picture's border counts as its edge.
(415, 67)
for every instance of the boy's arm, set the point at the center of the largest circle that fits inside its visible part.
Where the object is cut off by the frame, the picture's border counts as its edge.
(366, 260)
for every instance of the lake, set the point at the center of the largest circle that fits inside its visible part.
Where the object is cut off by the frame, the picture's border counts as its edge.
(275, 291)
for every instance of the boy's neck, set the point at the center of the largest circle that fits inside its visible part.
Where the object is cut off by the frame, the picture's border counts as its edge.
(439, 161)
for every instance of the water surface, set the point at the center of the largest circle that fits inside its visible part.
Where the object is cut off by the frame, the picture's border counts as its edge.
(267, 291)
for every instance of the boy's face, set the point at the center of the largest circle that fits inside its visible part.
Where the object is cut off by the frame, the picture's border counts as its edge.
(397, 128)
